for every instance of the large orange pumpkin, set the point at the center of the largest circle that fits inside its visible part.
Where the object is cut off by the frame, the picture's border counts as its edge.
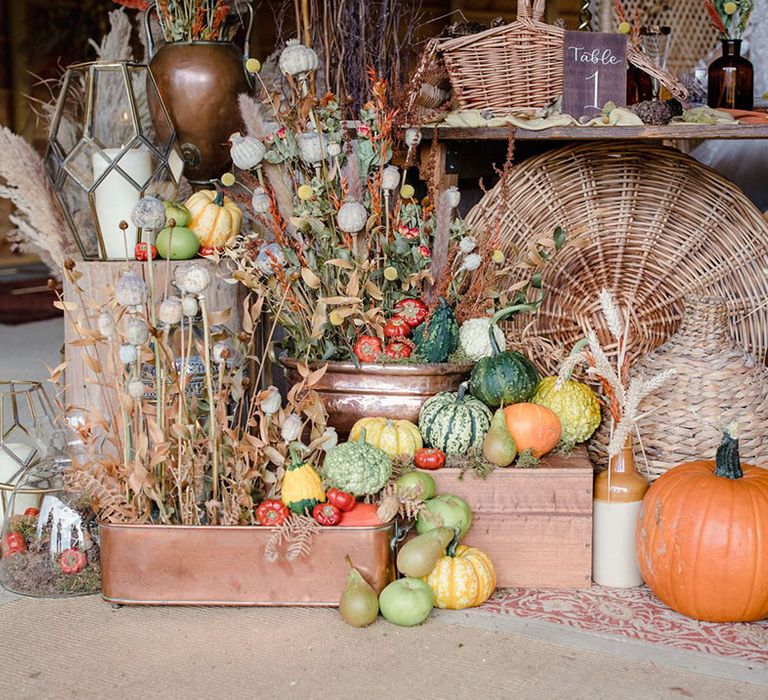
(702, 538)
(533, 427)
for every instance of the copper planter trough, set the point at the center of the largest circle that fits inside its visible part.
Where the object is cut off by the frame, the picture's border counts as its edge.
(206, 565)
(391, 391)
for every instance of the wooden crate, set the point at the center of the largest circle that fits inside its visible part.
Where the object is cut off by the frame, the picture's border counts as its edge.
(535, 524)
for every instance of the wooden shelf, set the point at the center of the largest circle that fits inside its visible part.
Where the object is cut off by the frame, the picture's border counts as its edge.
(602, 133)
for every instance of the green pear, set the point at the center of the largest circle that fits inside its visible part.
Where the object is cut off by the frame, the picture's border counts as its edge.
(418, 556)
(498, 447)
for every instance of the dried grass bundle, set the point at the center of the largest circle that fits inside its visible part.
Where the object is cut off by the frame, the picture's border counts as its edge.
(40, 226)
(624, 396)
(165, 443)
(351, 36)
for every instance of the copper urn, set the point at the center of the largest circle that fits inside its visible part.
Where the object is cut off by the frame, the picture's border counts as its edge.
(199, 82)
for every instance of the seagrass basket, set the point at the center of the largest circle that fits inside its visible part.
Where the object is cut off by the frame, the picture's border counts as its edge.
(715, 383)
(645, 221)
(519, 64)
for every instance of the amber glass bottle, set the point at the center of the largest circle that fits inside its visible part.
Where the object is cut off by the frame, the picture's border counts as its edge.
(731, 79)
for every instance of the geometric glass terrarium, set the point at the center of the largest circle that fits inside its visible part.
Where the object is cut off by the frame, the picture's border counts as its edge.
(50, 548)
(105, 151)
(24, 408)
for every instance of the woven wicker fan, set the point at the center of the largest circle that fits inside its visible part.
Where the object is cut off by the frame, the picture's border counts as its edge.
(656, 226)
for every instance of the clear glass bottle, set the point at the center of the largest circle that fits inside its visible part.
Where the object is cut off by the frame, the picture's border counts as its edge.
(731, 79)
(655, 42)
(50, 546)
(618, 496)
(186, 341)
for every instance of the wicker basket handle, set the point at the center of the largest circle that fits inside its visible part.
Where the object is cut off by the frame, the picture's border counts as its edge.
(524, 9)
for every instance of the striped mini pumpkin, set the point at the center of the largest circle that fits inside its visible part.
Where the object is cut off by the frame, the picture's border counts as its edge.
(454, 422)
(464, 578)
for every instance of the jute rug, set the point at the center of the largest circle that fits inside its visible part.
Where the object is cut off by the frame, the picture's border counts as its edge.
(83, 648)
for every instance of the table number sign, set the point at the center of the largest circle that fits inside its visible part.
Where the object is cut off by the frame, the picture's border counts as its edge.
(594, 72)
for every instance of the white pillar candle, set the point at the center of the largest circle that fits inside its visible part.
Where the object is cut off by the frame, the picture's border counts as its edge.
(9, 469)
(116, 197)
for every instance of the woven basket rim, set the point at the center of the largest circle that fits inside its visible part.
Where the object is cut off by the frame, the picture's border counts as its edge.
(513, 27)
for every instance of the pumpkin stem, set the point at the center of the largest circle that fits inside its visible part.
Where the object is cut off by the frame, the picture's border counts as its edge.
(454, 543)
(295, 450)
(462, 391)
(504, 313)
(219, 201)
(727, 460)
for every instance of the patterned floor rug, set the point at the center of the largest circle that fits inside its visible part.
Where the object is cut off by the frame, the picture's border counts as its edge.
(634, 614)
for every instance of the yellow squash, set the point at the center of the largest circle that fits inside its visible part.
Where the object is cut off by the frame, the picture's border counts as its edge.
(463, 578)
(396, 437)
(302, 488)
(216, 219)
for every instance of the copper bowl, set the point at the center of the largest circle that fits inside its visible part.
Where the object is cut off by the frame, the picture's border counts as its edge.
(391, 391)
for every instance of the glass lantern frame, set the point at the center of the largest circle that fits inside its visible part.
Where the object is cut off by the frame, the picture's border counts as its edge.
(81, 84)
(35, 399)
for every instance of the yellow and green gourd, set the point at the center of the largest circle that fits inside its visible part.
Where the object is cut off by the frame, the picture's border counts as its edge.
(302, 488)
(396, 437)
(574, 403)
(464, 578)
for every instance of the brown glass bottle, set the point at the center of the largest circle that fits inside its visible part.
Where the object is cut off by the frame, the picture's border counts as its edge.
(639, 85)
(731, 79)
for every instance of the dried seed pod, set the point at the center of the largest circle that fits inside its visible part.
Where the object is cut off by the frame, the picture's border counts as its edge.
(135, 388)
(247, 151)
(128, 354)
(149, 213)
(189, 306)
(106, 325)
(352, 217)
(194, 279)
(130, 290)
(170, 311)
(390, 178)
(136, 331)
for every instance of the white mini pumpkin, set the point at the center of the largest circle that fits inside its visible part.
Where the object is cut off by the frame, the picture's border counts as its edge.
(475, 340)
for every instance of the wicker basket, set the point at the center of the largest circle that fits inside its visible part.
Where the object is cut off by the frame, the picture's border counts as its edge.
(716, 383)
(655, 227)
(519, 64)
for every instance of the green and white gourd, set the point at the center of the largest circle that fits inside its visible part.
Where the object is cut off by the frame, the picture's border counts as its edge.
(454, 422)
(474, 338)
(504, 377)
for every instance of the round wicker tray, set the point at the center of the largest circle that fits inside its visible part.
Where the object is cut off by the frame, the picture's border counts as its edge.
(645, 221)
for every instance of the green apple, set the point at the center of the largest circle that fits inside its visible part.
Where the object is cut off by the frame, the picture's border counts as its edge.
(414, 480)
(178, 212)
(407, 602)
(447, 511)
(178, 243)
